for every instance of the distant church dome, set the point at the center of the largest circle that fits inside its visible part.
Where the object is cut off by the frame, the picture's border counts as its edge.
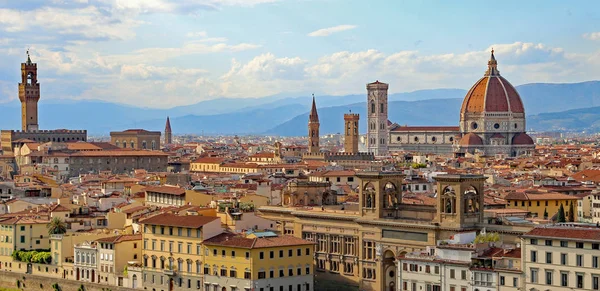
(522, 139)
(470, 139)
(492, 93)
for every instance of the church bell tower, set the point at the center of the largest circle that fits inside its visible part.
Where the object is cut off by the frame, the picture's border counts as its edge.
(313, 129)
(29, 94)
(377, 118)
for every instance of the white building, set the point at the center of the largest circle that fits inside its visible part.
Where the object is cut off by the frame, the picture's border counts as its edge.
(85, 263)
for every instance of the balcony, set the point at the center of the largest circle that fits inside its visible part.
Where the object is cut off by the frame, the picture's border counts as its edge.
(169, 272)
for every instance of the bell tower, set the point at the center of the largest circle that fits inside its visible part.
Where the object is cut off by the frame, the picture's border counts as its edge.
(29, 95)
(313, 129)
(459, 200)
(380, 194)
(377, 118)
(168, 134)
(351, 133)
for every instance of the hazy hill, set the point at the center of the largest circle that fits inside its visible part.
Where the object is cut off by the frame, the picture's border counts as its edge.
(425, 112)
(287, 115)
(571, 120)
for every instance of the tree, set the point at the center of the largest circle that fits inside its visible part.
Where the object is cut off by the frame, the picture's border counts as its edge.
(571, 213)
(545, 213)
(56, 226)
(560, 217)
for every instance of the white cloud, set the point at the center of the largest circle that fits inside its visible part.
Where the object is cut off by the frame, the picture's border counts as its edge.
(592, 35)
(196, 34)
(89, 22)
(143, 71)
(331, 30)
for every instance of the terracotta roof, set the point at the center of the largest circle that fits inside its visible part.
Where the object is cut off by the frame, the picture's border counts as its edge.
(121, 238)
(470, 139)
(233, 240)
(82, 146)
(189, 221)
(566, 232)
(209, 160)
(173, 190)
(119, 153)
(539, 196)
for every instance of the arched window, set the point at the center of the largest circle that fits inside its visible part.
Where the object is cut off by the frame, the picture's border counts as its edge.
(381, 108)
(372, 107)
(29, 78)
(132, 144)
(56, 160)
(369, 196)
(153, 145)
(449, 200)
(144, 146)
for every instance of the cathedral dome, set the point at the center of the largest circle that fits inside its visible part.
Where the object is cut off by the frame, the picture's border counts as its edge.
(470, 139)
(492, 93)
(522, 139)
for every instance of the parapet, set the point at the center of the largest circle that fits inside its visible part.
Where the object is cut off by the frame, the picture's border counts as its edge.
(352, 116)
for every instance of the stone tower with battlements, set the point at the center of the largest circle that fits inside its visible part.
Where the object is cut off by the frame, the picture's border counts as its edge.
(377, 118)
(29, 95)
(313, 129)
(351, 132)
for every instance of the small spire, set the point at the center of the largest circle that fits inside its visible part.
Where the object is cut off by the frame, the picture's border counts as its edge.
(314, 116)
(168, 125)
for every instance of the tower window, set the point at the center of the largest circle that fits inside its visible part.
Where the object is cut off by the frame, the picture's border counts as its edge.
(29, 78)
(474, 125)
(496, 126)
(381, 108)
(516, 126)
(372, 107)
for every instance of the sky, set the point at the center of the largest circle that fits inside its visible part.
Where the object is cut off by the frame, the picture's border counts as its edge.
(160, 53)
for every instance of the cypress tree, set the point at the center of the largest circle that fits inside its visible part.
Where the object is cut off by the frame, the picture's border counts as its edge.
(560, 217)
(571, 213)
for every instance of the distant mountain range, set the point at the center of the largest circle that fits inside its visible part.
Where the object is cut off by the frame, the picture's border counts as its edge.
(280, 115)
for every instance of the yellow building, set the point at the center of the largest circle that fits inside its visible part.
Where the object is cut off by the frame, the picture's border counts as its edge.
(537, 203)
(259, 261)
(114, 253)
(172, 248)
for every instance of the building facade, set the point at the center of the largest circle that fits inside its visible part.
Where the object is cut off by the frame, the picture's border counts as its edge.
(139, 139)
(258, 261)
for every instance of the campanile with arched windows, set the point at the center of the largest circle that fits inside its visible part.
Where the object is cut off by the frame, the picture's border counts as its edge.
(459, 200)
(377, 118)
(29, 95)
(313, 129)
(380, 194)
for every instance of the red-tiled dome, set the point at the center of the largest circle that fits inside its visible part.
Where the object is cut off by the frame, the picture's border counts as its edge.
(522, 139)
(470, 139)
(492, 93)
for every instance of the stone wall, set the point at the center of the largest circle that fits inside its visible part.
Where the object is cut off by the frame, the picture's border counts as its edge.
(33, 282)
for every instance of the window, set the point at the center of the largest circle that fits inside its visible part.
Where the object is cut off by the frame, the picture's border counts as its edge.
(281, 253)
(233, 254)
(549, 242)
(595, 282)
(307, 252)
(247, 255)
(564, 279)
(515, 281)
(262, 275)
(436, 269)
(579, 245)
(222, 253)
(271, 254)
(452, 274)
(564, 244)
(533, 241)
(595, 246)
(502, 280)
(548, 277)
(534, 256)
(580, 281)
(548, 258)
(247, 274)
(563, 259)
(534, 276)
(232, 273)
(299, 252)
(262, 255)
(463, 275)
(579, 260)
